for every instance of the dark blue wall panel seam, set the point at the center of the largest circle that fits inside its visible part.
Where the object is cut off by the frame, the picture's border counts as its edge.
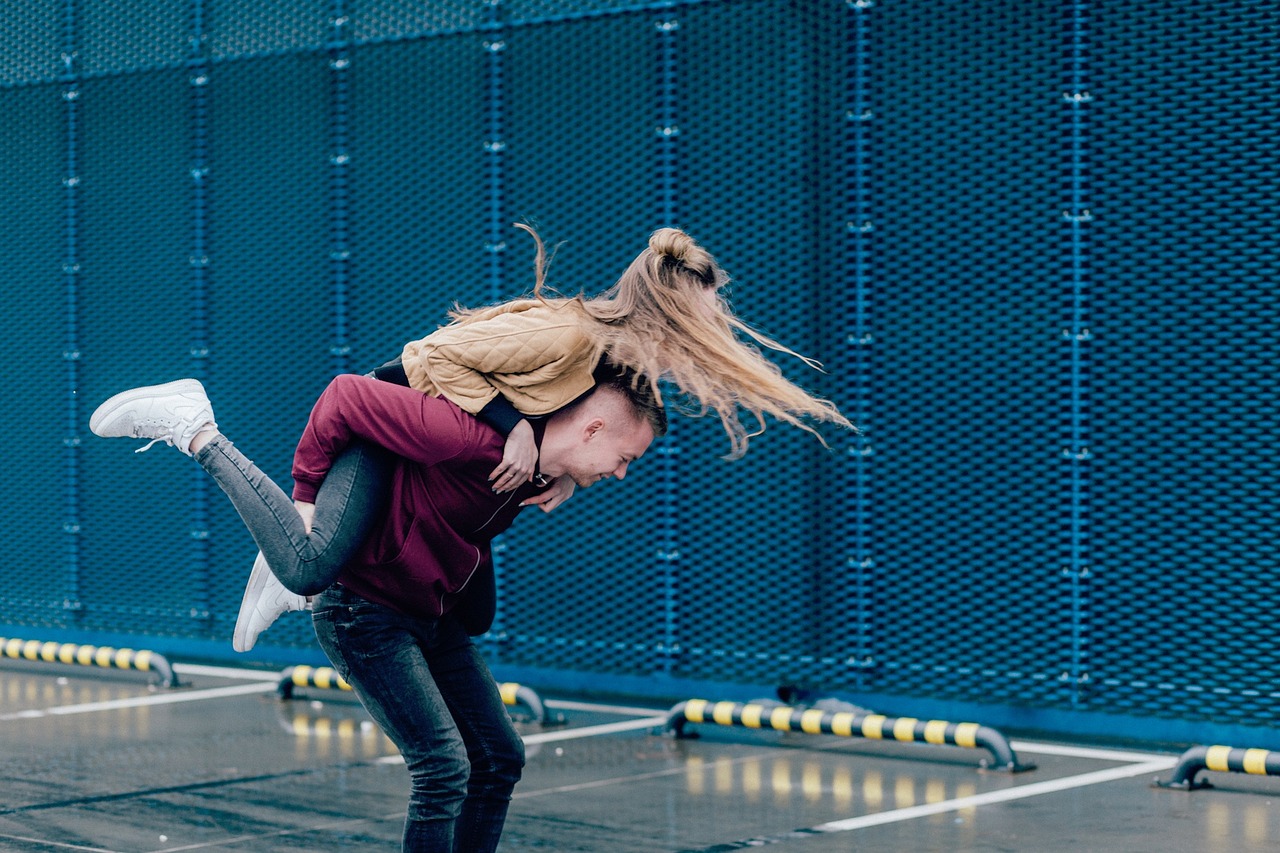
(339, 171)
(860, 563)
(495, 145)
(1076, 99)
(70, 92)
(495, 46)
(197, 67)
(667, 131)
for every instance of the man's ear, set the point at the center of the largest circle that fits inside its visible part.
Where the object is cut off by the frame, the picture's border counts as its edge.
(592, 427)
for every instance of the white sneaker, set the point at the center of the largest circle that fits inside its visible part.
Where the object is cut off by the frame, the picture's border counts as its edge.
(173, 413)
(265, 600)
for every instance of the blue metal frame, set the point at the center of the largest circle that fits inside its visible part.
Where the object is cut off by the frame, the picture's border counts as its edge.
(860, 562)
(198, 76)
(1078, 335)
(70, 93)
(495, 145)
(339, 59)
(825, 84)
(667, 535)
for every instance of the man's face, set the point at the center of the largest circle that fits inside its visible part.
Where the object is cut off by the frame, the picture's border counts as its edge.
(606, 448)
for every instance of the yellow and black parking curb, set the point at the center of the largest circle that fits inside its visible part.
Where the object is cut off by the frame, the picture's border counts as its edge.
(80, 654)
(322, 677)
(327, 678)
(1224, 759)
(786, 718)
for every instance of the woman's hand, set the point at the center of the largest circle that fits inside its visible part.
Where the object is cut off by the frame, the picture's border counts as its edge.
(307, 511)
(561, 490)
(519, 460)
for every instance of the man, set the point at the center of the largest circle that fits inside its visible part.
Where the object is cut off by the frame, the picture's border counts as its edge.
(393, 623)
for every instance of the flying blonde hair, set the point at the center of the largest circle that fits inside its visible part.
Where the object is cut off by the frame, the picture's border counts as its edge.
(656, 322)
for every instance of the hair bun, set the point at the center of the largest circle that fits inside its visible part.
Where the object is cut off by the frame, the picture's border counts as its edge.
(685, 252)
(672, 243)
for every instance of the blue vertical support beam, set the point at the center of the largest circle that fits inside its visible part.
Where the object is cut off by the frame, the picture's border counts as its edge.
(339, 59)
(69, 88)
(198, 77)
(667, 132)
(857, 239)
(495, 46)
(667, 26)
(1075, 100)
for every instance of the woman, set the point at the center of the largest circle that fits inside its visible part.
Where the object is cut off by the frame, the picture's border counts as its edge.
(664, 320)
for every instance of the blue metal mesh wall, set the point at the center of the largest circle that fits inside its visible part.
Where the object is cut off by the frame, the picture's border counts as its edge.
(1030, 241)
(968, 383)
(1184, 394)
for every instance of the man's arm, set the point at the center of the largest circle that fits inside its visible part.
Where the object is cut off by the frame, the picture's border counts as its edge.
(425, 429)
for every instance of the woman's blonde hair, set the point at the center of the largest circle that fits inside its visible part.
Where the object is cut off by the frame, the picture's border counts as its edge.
(656, 322)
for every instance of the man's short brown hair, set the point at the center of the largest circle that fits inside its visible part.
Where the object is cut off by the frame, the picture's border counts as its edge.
(638, 392)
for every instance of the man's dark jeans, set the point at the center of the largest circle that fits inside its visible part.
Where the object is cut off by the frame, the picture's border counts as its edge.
(425, 684)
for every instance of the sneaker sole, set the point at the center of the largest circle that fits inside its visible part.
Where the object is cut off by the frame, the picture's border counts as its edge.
(109, 407)
(240, 640)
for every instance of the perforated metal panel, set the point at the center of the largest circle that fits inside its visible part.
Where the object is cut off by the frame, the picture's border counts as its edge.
(36, 54)
(746, 574)
(417, 194)
(34, 304)
(969, 385)
(1184, 375)
(270, 300)
(1032, 243)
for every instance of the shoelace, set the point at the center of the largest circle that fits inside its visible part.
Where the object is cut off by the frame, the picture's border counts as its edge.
(167, 439)
(171, 438)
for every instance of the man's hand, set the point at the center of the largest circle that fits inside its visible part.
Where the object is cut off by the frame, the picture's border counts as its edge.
(519, 459)
(561, 490)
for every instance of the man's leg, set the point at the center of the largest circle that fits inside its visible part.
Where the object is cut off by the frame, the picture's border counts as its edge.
(494, 748)
(381, 654)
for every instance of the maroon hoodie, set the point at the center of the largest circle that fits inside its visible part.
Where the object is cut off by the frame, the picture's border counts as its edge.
(432, 544)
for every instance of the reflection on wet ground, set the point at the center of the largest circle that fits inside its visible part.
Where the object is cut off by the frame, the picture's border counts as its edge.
(105, 762)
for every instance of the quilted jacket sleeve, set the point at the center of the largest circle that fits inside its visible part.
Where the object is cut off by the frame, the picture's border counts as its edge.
(538, 357)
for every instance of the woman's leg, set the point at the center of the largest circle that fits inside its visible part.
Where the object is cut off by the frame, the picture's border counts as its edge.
(346, 506)
(179, 413)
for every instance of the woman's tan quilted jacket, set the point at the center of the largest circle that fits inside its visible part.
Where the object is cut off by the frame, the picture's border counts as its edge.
(538, 355)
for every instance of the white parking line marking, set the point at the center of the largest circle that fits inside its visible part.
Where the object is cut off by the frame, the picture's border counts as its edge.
(710, 766)
(57, 844)
(606, 709)
(566, 734)
(592, 731)
(140, 701)
(226, 672)
(268, 675)
(1019, 792)
(1083, 752)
